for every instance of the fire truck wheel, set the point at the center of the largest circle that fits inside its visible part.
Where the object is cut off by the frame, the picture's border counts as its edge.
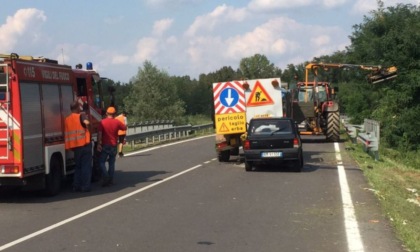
(53, 179)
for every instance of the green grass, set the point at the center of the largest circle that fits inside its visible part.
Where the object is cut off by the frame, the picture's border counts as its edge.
(194, 120)
(397, 186)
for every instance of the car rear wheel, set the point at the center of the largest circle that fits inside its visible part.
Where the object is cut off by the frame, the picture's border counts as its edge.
(248, 166)
(298, 164)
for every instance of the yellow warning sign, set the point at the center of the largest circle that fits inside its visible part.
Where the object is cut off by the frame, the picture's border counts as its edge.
(224, 128)
(230, 123)
(259, 96)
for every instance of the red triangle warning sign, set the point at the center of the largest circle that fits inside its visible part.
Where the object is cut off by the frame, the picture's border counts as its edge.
(259, 96)
(223, 128)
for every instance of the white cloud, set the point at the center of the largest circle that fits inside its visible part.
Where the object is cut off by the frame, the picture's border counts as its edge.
(363, 7)
(120, 59)
(320, 40)
(166, 3)
(280, 39)
(206, 47)
(260, 5)
(281, 46)
(269, 38)
(333, 3)
(269, 5)
(23, 26)
(171, 40)
(220, 15)
(146, 49)
(161, 26)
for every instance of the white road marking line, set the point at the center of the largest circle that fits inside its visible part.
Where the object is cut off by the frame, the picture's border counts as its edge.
(354, 241)
(61, 223)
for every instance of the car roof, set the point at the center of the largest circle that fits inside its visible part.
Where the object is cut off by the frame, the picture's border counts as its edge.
(273, 118)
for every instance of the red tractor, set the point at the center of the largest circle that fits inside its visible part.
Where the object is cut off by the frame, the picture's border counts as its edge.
(313, 104)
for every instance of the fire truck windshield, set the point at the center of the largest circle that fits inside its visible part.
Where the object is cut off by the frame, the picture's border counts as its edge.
(2, 93)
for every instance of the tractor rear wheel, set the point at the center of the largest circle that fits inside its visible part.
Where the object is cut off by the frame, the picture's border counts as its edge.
(333, 126)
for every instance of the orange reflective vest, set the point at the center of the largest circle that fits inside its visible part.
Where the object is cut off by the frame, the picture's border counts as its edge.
(75, 134)
(122, 119)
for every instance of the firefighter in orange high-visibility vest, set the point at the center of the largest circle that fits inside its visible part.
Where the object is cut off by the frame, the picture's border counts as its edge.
(121, 133)
(77, 139)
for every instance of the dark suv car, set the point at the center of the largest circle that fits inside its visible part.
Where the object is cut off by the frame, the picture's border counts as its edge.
(271, 141)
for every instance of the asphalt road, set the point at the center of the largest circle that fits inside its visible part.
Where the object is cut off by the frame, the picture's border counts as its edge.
(178, 197)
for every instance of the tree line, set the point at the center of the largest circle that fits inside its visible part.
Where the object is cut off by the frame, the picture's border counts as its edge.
(387, 37)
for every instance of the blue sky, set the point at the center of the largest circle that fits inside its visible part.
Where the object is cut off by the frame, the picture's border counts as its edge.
(181, 37)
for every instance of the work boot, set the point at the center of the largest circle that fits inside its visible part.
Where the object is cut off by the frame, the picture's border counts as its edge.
(120, 154)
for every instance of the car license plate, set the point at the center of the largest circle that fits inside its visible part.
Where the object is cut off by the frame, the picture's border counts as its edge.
(271, 154)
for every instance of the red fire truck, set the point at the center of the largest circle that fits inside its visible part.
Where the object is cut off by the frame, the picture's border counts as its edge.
(35, 98)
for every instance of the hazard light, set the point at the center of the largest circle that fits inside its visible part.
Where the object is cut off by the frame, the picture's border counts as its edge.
(245, 85)
(9, 169)
(275, 83)
(89, 66)
(221, 145)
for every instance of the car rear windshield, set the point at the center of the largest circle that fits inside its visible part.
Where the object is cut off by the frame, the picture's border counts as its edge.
(262, 127)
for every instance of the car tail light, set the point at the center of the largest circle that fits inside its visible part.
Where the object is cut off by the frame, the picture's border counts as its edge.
(247, 145)
(295, 143)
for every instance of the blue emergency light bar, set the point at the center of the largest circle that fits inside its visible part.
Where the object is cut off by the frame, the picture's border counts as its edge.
(89, 66)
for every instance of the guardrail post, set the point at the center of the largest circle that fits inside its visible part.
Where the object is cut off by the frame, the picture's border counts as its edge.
(370, 138)
(352, 130)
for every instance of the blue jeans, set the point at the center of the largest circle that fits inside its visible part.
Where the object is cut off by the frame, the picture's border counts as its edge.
(83, 169)
(108, 153)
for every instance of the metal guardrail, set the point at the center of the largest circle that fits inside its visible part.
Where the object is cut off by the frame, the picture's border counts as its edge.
(166, 134)
(367, 134)
(148, 126)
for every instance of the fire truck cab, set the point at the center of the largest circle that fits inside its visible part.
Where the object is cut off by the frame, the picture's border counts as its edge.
(35, 98)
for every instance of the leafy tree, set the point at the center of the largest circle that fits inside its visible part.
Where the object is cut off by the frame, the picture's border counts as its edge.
(153, 96)
(258, 66)
(121, 91)
(291, 75)
(389, 37)
(185, 92)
